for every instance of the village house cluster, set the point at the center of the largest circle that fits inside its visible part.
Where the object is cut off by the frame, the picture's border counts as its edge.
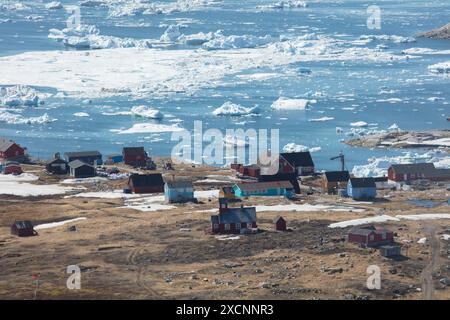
(254, 181)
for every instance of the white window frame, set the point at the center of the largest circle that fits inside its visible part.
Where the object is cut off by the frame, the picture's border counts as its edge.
(227, 227)
(238, 226)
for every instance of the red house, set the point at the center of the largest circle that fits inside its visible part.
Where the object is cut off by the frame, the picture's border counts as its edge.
(134, 156)
(9, 150)
(280, 223)
(233, 220)
(12, 168)
(410, 172)
(146, 183)
(370, 236)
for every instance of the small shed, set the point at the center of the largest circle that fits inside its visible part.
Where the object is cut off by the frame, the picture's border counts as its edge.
(178, 191)
(134, 156)
(12, 167)
(280, 223)
(390, 251)
(23, 229)
(362, 188)
(57, 165)
(146, 183)
(80, 169)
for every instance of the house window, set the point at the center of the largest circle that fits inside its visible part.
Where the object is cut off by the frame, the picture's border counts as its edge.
(383, 236)
(227, 226)
(238, 226)
(216, 226)
(249, 225)
(371, 237)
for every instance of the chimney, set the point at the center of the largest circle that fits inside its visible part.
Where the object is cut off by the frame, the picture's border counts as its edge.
(57, 155)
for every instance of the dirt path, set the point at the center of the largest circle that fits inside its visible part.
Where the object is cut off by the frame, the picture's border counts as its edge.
(427, 273)
(140, 272)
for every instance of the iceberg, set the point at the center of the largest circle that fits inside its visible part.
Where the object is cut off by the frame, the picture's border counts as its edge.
(12, 118)
(359, 124)
(291, 104)
(292, 147)
(172, 34)
(323, 119)
(19, 95)
(146, 112)
(285, 4)
(54, 5)
(234, 110)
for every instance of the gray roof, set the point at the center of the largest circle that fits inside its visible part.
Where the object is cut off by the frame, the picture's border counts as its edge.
(363, 182)
(264, 185)
(337, 176)
(179, 184)
(77, 164)
(83, 154)
(425, 168)
(298, 159)
(5, 144)
(238, 215)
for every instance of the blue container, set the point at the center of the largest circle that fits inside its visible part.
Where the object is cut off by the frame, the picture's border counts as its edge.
(127, 191)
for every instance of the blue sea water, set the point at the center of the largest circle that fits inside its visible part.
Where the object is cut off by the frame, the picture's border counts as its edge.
(342, 84)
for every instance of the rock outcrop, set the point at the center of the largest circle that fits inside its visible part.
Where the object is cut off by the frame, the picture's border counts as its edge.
(440, 33)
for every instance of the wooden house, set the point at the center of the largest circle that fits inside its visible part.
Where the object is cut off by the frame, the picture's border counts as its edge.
(146, 183)
(135, 156)
(332, 181)
(233, 220)
(89, 157)
(271, 188)
(410, 172)
(57, 165)
(370, 237)
(253, 171)
(9, 150)
(362, 188)
(80, 169)
(390, 251)
(178, 191)
(291, 177)
(300, 163)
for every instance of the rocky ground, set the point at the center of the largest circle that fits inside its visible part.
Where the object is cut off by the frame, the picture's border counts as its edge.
(404, 139)
(439, 33)
(128, 254)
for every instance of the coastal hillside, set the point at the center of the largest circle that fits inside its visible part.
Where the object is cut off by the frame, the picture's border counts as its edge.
(440, 33)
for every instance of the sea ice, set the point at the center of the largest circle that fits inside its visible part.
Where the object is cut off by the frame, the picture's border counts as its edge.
(232, 109)
(146, 112)
(291, 104)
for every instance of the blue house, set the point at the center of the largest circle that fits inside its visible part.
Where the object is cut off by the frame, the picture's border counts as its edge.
(270, 188)
(178, 191)
(362, 188)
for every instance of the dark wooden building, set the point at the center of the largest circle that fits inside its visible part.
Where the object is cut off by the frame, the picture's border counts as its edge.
(57, 165)
(89, 157)
(146, 183)
(80, 169)
(332, 181)
(280, 223)
(9, 150)
(291, 177)
(300, 163)
(135, 156)
(23, 229)
(233, 220)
